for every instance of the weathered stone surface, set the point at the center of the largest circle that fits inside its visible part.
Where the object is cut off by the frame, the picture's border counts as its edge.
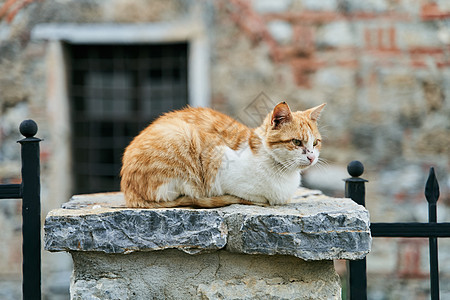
(313, 227)
(267, 6)
(281, 31)
(260, 288)
(172, 274)
(125, 230)
(102, 288)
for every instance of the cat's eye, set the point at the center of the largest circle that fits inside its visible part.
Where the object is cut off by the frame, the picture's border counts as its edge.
(296, 142)
(315, 142)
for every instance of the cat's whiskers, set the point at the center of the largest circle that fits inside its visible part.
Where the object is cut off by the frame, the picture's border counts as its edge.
(280, 169)
(323, 161)
(322, 164)
(285, 166)
(324, 130)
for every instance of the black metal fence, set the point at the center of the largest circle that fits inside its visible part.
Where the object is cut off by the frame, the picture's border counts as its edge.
(356, 270)
(29, 190)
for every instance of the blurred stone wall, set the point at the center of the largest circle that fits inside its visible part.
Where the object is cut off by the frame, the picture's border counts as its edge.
(381, 66)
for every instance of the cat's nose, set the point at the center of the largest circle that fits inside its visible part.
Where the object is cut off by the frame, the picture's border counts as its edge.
(311, 157)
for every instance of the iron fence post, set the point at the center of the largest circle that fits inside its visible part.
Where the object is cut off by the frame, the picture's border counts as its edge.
(31, 211)
(432, 195)
(356, 269)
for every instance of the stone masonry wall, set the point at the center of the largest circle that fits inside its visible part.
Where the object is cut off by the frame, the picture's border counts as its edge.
(381, 66)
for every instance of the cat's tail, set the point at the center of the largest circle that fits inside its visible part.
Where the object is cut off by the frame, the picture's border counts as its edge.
(203, 202)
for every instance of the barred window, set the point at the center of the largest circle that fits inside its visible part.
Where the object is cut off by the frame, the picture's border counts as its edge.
(115, 92)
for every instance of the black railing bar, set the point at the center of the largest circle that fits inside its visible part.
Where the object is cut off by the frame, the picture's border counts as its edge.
(10, 191)
(434, 268)
(410, 230)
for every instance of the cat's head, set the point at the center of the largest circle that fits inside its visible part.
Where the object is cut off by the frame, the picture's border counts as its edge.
(293, 138)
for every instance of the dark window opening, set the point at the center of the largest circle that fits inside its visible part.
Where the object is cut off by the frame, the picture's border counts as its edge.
(115, 92)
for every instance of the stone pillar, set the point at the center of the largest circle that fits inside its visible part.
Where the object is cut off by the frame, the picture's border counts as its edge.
(234, 252)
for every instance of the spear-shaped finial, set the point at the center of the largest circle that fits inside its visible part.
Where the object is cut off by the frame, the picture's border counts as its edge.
(432, 187)
(432, 195)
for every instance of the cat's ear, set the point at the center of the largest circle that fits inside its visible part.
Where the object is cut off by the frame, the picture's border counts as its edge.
(314, 113)
(281, 114)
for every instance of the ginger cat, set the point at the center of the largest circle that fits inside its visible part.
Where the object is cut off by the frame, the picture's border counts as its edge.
(200, 157)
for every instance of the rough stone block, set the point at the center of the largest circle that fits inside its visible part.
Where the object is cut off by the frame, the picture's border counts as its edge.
(412, 36)
(313, 227)
(281, 31)
(367, 6)
(125, 230)
(311, 230)
(268, 6)
(324, 5)
(336, 34)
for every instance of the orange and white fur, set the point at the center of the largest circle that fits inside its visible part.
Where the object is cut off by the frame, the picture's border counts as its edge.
(200, 157)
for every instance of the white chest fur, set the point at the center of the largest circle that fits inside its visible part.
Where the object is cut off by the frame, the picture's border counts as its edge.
(255, 177)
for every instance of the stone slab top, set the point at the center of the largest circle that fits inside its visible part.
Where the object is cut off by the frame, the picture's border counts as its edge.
(312, 227)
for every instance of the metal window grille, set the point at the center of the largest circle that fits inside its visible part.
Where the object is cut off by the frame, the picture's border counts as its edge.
(115, 92)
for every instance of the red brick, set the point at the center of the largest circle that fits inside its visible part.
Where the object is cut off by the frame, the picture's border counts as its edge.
(443, 64)
(346, 57)
(418, 63)
(409, 258)
(45, 155)
(320, 17)
(395, 16)
(427, 50)
(392, 37)
(431, 11)
(252, 24)
(380, 38)
(348, 63)
(400, 197)
(285, 53)
(11, 8)
(302, 68)
(306, 18)
(368, 38)
(423, 62)
(422, 57)
(304, 38)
